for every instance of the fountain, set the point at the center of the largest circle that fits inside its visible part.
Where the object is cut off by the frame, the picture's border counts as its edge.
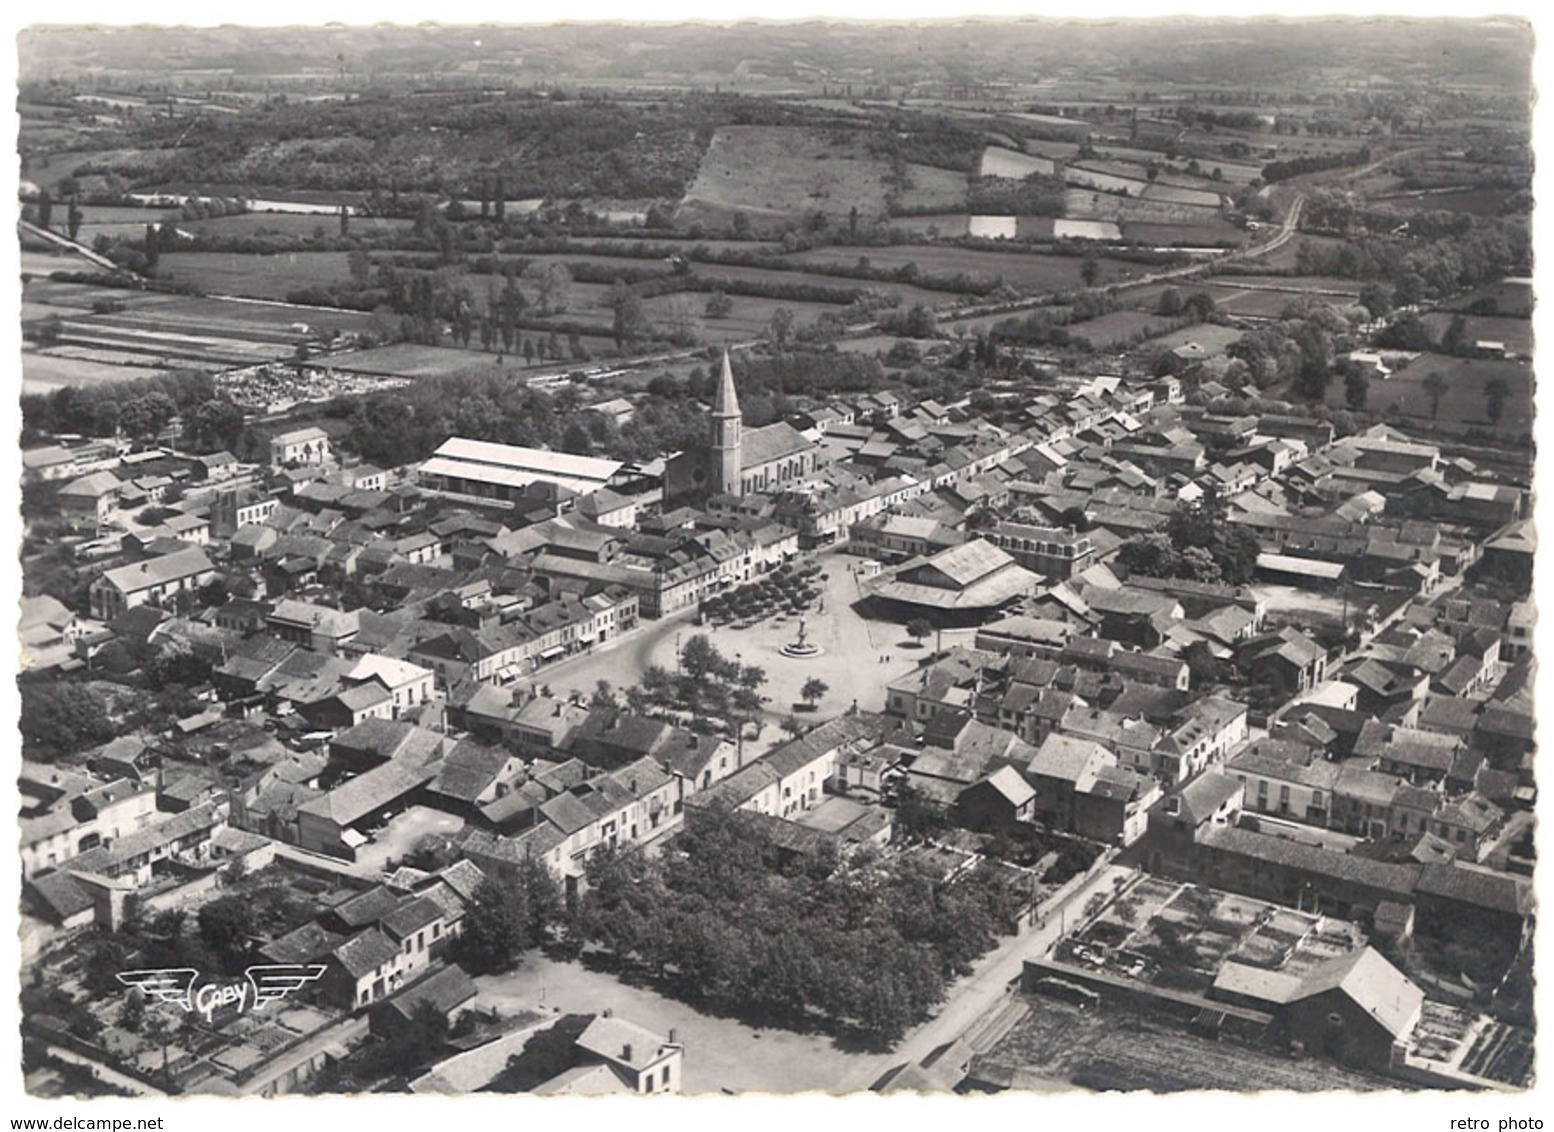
(800, 649)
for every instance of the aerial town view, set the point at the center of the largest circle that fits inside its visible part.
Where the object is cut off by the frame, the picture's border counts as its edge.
(753, 558)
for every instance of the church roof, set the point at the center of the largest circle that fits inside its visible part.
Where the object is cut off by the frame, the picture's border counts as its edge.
(761, 446)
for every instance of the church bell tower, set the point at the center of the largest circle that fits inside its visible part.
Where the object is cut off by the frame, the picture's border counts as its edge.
(727, 464)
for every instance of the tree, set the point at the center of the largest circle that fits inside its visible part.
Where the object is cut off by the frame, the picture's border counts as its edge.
(432, 851)
(919, 628)
(575, 441)
(1356, 388)
(814, 691)
(61, 718)
(780, 326)
(604, 696)
(226, 924)
(1376, 298)
(497, 928)
(553, 286)
(1496, 392)
(1170, 303)
(1454, 338)
(700, 657)
(719, 305)
(1434, 386)
(1200, 305)
(1090, 270)
(1075, 519)
(45, 209)
(133, 1013)
(630, 324)
(73, 218)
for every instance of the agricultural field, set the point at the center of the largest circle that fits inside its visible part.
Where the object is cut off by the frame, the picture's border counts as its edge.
(45, 292)
(113, 221)
(1331, 286)
(405, 359)
(1463, 403)
(999, 162)
(45, 263)
(1512, 297)
(1030, 272)
(289, 224)
(1516, 333)
(748, 317)
(160, 330)
(1185, 235)
(253, 276)
(776, 172)
(1214, 339)
(1119, 328)
(44, 371)
(1257, 302)
(1057, 150)
(909, 293)
(935, 225)
(1480, 202)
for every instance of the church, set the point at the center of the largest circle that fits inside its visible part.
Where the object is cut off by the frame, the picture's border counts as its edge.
(736, 460)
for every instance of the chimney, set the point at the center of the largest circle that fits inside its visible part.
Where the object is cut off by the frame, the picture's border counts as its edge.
(674, 1036)
(609, 1012)
(626, 1052)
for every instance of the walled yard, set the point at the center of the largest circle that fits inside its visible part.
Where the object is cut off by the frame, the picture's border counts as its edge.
(1059, 1044)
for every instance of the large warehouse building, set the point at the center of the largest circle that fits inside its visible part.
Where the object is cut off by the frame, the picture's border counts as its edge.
(484, 470)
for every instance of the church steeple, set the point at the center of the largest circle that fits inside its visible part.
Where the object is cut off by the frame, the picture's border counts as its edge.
(727, 462)
(726, 402)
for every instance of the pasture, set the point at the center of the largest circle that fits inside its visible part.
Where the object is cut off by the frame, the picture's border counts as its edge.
(999, 162)
(935, 225)
(1185, 235)
(1027, 271)
(1516, 333)
(748, 317)
(253, 276)
(1512, 297)
(288, 224)
(1463, 403)
(778, 171)
(1119, 328)
(407, 359)
(44, 371)
(1213, 338)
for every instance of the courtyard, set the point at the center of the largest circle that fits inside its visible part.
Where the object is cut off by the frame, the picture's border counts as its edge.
(400, 835)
